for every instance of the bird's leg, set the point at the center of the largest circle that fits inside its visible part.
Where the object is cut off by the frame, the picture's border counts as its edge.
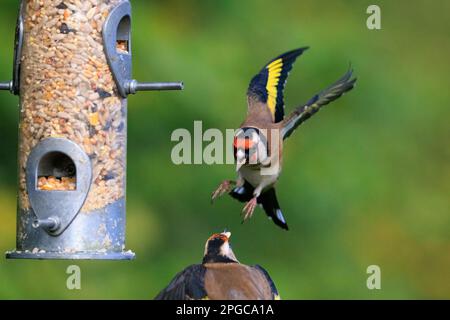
(251, 205)
(249, 208)
(223, 188)
(226, 186)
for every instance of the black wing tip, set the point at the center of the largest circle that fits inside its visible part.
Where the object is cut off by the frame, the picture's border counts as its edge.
(350, 84)
(346, 83)
(296, 52)
(349, 75)
(291, 55)
(266, 274)
(300, 50)
(186, 285)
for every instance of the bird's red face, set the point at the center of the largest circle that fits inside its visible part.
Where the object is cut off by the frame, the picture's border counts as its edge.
(242, 147)
(243, 143)
(221, 237)
(245, 146)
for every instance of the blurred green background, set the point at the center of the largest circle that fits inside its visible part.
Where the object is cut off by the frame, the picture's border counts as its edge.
(366, 181)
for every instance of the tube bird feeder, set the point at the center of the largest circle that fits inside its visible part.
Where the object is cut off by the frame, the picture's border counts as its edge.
(72, 72)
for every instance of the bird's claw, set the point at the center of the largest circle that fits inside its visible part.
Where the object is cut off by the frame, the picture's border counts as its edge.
(224, 187)
(249, 208)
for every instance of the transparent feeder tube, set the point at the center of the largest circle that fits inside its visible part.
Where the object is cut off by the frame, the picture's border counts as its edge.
(72, 71)
(68, 92)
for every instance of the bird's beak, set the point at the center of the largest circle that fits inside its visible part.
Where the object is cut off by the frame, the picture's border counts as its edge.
(227, 234)
(239, 164)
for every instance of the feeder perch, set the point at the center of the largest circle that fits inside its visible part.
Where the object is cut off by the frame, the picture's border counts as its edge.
(72, 72)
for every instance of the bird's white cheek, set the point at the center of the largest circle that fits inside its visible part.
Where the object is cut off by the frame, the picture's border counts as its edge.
(240, 154)
(225, 249)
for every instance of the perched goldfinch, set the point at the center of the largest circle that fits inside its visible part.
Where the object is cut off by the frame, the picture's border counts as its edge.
(258, 143)
(220, 277)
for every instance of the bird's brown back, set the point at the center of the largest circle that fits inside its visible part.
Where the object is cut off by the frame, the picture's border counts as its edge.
(258, 115)
(234, 281)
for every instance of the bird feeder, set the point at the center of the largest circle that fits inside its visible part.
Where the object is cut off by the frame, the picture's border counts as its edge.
(72, 71)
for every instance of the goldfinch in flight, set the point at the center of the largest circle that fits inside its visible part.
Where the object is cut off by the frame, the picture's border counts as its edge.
(258, 143)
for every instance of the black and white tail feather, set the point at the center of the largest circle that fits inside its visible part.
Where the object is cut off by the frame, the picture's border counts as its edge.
(267, 199)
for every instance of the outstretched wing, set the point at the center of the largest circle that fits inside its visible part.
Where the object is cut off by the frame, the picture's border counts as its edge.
(187, 285)
(268, 85)
(275, 294)
(303, 113)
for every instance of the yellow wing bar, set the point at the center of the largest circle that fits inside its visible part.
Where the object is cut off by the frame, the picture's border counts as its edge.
(273, 78)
